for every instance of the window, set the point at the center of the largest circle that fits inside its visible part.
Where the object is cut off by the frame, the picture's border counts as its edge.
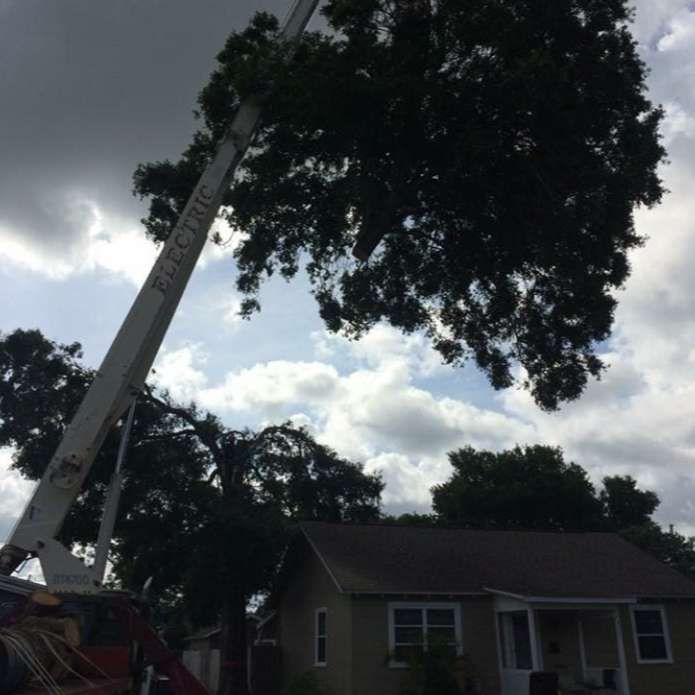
(320, 637)
(515, 640)
(652, 642)
(417, 627)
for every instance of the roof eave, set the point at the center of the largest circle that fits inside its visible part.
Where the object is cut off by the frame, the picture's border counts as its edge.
(322, 560)
(561, 599)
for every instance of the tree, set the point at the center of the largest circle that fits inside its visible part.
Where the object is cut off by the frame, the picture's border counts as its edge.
(535, 488)
(668, 546)
(205, 510)
(527, 488)
(410, 519)
(41, 385)
(624, 504)
(499, 148)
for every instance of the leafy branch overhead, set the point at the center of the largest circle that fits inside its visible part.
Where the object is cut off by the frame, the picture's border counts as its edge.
(498, 147)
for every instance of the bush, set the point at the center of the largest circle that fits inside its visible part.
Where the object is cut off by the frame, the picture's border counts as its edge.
(433, 673)
(305, 684)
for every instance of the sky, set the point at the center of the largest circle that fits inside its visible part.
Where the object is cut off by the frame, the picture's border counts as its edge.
(90, 88)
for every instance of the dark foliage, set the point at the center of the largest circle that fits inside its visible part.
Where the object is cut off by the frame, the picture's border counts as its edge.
(499, 147)
(205, 510)
(535, 488)
(526, 488)
(624, 504)
(670, 547)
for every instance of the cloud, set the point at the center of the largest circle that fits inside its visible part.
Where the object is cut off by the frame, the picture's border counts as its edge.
(407, 483)
(375, 403)
(178, 372)
(680, 32)
(383, 345)
(626, 424)
(79, 114)
(653, 17)
(677, 122)
(101, 242)
(272, 387)
(369, 410)
(14, 493)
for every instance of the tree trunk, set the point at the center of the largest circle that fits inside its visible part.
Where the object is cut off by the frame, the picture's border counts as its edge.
(233, 648)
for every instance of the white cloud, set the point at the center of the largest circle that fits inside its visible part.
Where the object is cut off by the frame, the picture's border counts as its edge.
(407, 483)
(125, 253)
(369, 412)
(272, 387)
(101, 242)
(677, 122)
(14, 493)
(23, 256)
(302, 420)
(653, 17)
(178, 371)
(680, 32)
(383, 345)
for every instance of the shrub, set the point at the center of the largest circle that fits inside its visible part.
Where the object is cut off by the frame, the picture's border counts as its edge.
(305, 684)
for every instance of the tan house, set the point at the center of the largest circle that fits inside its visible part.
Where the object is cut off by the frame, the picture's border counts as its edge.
(357, 602)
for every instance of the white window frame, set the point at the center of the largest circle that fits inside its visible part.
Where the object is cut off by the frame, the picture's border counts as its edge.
(423, 606)
(324, 637)
(666, 633)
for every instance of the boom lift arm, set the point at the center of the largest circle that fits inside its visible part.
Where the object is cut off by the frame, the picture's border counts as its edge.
(129, 359)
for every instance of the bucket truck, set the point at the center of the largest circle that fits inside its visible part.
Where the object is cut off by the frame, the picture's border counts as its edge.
(117, 383)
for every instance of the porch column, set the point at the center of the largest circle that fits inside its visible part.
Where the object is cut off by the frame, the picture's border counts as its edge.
(536, 655)
(624, 679)
(582, 645)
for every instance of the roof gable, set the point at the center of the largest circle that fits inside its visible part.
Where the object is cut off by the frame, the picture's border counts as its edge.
(410, 560)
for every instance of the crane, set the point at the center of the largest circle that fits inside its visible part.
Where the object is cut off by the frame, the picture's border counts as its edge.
(127, 363)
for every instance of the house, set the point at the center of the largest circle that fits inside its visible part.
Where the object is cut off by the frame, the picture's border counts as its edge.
(357, 602)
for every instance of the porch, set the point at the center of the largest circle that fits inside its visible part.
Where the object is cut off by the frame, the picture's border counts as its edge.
(579, 641)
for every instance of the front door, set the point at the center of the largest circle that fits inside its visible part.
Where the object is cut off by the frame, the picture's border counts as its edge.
(516, 651)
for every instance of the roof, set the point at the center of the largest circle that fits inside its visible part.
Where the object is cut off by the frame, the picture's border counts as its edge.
(364, 559)
(204, 633)
(212, 630)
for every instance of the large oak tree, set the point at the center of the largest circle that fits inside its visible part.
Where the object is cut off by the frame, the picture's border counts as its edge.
(499, 147)
(205, 510)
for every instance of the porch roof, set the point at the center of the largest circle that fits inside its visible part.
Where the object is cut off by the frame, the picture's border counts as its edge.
(384, 559)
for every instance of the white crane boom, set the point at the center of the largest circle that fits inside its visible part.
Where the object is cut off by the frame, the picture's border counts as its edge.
(124, 369)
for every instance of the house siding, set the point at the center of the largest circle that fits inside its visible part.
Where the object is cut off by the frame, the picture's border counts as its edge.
(310, 588)
(371, 674)
(677, 678)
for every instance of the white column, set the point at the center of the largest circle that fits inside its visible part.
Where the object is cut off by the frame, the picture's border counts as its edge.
(624, 680)
(536, 656)
(582, 646)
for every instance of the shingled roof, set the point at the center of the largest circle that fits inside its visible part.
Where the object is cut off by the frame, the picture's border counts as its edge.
(381, 559)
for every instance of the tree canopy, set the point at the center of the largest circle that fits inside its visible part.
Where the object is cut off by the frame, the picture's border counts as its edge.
(499, 148)
(205, 510)
(528, 488)
(534, 488)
